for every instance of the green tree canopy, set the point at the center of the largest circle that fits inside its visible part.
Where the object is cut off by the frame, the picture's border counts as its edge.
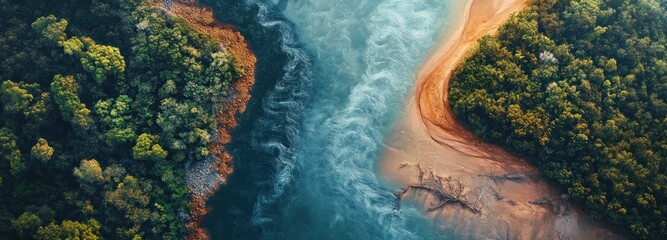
(100, 60)
(42, 151)
(116, 116)
(580, 88)
(70, 230)
(27, 224)
(147, 148)
(51, 28)
(130, 197)
(103, 61)
(89, 174)
(10, 151)
(64, 91)
(14, 97)
(90, 81)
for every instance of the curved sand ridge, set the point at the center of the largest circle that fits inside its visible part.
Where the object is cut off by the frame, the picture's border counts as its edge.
(513, 198)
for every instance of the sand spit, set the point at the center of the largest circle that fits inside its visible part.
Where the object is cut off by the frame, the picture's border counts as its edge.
(501, 195)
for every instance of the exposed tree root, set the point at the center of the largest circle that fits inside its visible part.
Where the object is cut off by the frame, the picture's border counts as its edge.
(445, 189)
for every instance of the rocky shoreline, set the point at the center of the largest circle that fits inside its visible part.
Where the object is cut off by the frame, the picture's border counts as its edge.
(205, 176)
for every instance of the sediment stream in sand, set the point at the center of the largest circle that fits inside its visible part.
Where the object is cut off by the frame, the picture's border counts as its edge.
(514, 199)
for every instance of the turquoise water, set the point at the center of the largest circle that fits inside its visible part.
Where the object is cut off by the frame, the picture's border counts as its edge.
(336, 82)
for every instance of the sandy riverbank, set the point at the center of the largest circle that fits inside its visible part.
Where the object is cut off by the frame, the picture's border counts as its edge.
(205, 177)
(513, 198)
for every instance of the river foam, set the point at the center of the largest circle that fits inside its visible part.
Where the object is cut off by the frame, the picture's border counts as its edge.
(365, 55)
(265, 141)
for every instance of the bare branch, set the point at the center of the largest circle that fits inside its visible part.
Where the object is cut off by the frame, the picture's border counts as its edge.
(445, 189)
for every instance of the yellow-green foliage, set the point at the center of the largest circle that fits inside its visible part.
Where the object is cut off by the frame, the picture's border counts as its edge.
(89, 230)
(51, 28)
(580, 88)
(42, 151)
(64, 91)
(147, 148)
(14, 97)
(102, 61)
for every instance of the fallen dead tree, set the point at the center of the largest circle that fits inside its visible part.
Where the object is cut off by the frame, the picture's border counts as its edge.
(496, 194)
(505, 177)
(557, 207)
(447, 191)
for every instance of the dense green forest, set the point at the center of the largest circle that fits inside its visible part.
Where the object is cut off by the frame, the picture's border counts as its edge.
(579, 87)
(103, 102)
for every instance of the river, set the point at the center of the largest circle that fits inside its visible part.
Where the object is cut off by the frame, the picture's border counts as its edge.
(331, 78)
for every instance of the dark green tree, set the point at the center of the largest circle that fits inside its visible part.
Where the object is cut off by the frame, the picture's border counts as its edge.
(27, 224)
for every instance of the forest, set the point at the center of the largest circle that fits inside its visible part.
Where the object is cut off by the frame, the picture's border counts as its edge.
(103, 104)
(579, 87)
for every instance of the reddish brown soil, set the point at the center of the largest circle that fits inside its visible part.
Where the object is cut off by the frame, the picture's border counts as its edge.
(201, 18)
